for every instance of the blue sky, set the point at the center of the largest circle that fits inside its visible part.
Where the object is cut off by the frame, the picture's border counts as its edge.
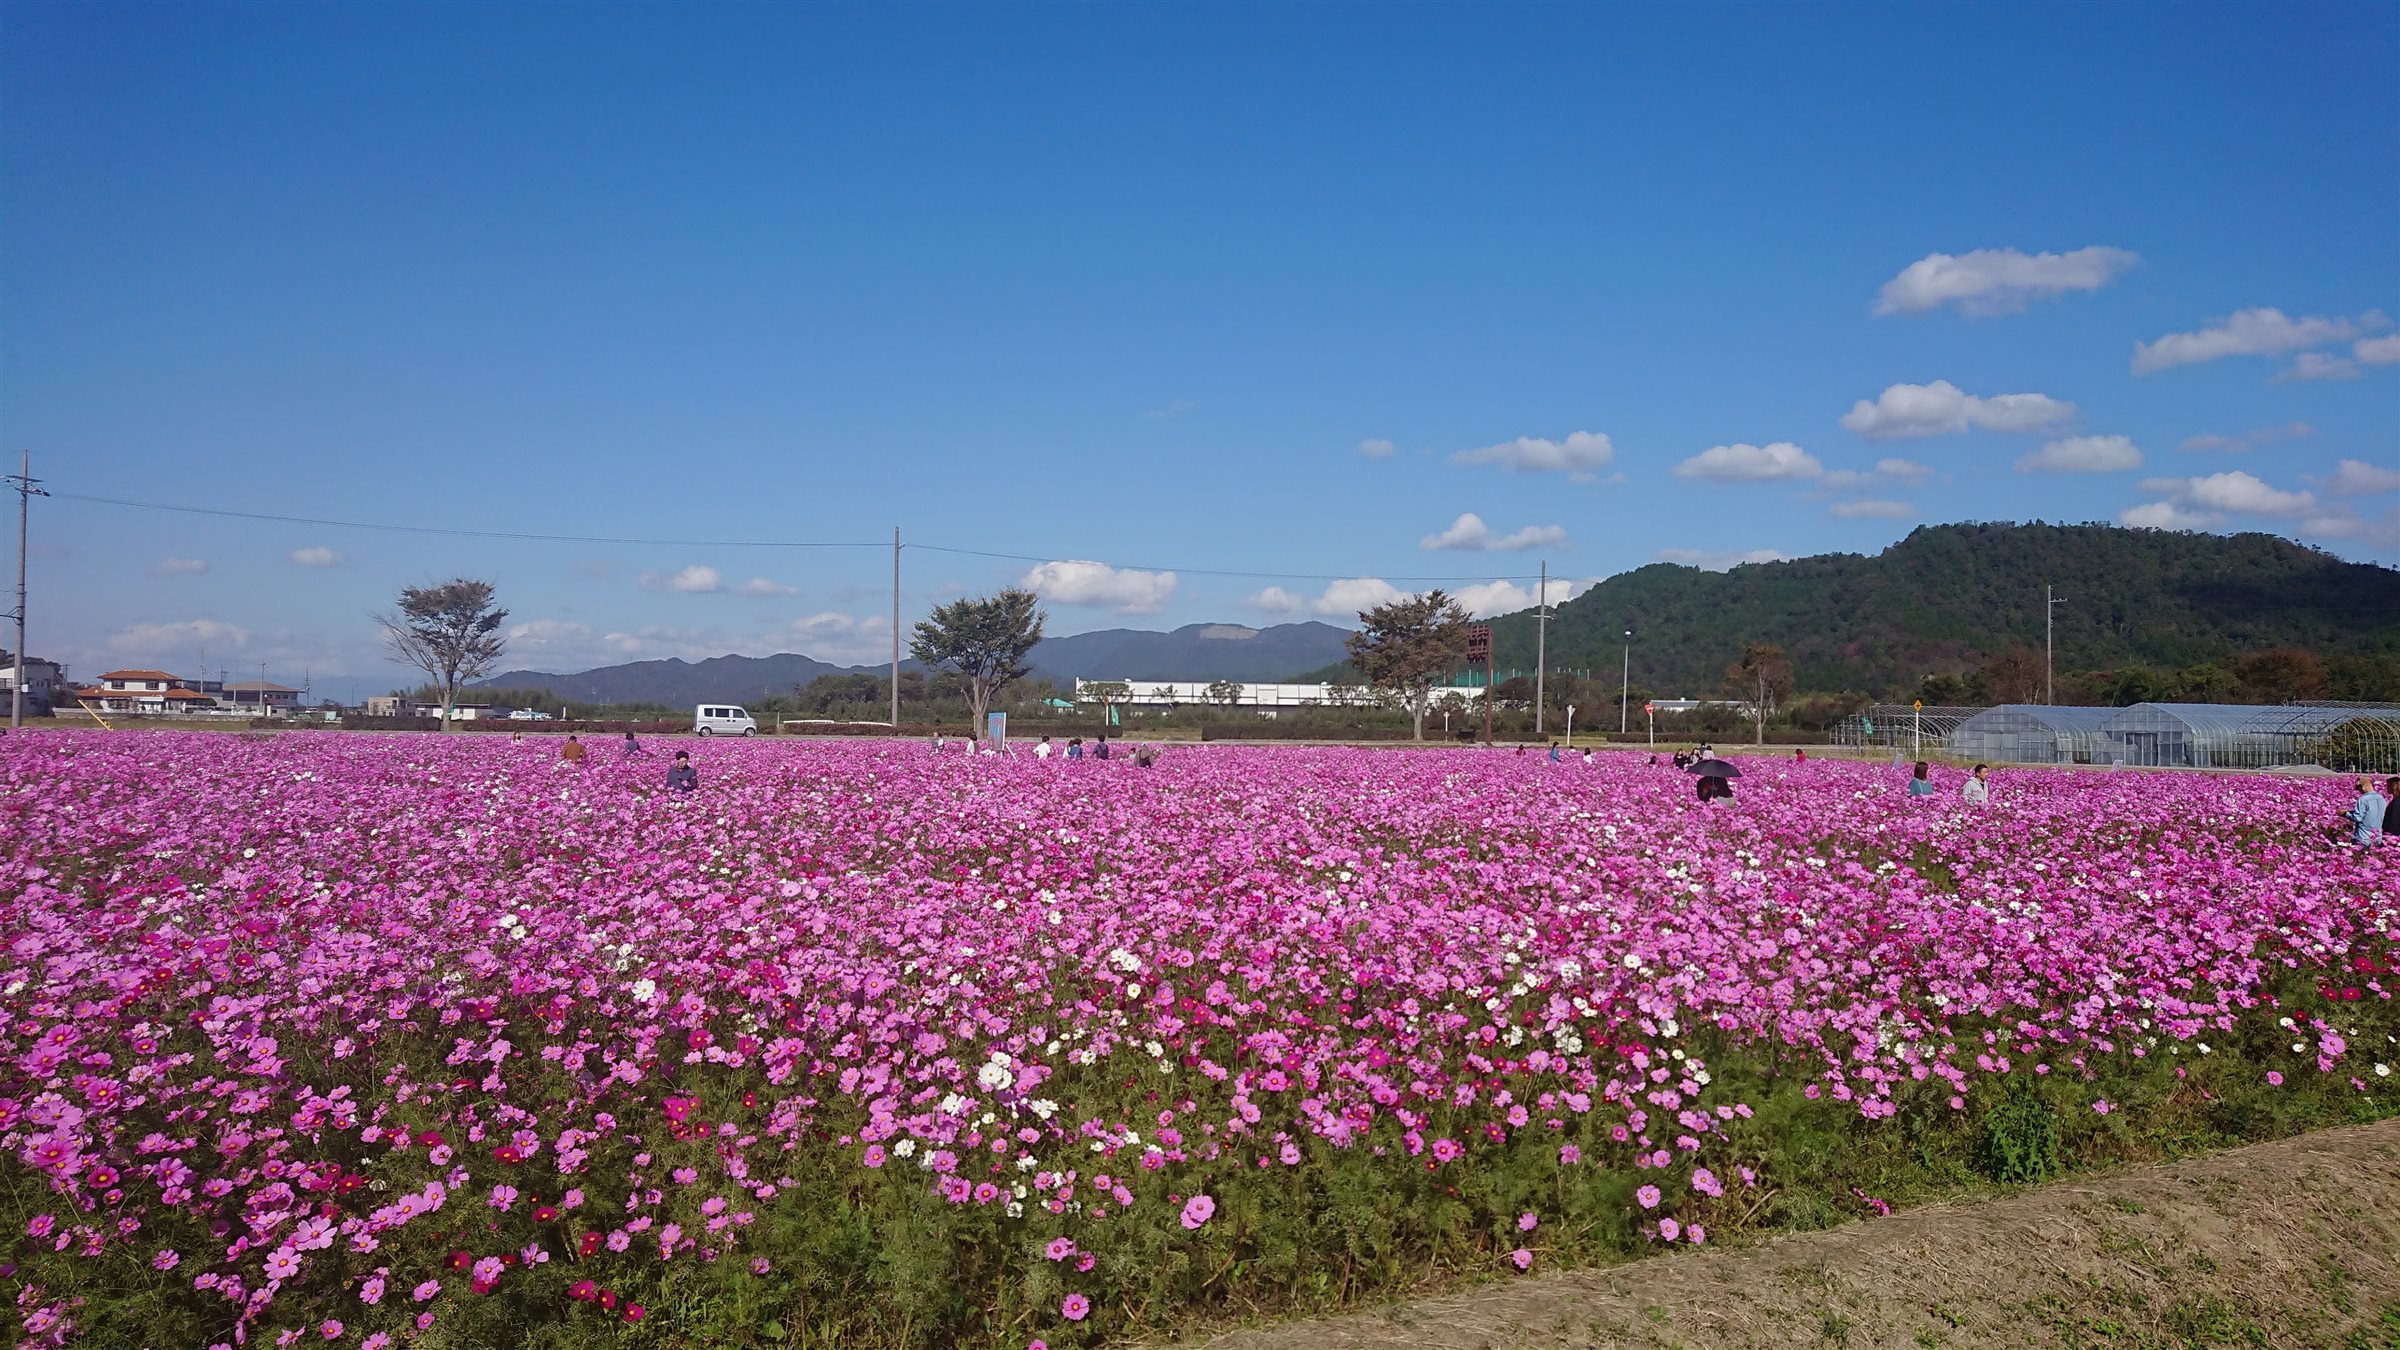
(1273, 290)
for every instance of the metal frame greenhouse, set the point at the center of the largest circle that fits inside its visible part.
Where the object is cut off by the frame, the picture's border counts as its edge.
(2031, 733)
(2244, 736)
(1899, 726)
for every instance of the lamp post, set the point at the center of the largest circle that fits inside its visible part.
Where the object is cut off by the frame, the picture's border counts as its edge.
(1570, 726)
(1625, 685)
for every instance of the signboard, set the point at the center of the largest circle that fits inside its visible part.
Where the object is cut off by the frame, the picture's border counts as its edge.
(1919, 705)
(1479, 643)
(1650, 708)
(996, 731)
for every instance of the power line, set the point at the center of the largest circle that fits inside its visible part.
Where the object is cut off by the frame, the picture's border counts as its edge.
(458, 532)
(534, 537)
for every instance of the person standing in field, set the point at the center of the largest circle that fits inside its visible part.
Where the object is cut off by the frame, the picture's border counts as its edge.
(1042, 751)
(1921, 785)
(1977, 791)
(683, 777)
(2366, 815)
(572, 751)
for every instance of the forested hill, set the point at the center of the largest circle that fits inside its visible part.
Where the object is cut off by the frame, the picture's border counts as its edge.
(1950, 596)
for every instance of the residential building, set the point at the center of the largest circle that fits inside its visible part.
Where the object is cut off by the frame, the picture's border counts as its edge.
(45, 681)
(258, 694)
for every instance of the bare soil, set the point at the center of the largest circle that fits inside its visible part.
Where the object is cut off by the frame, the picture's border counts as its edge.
(2294, 1243)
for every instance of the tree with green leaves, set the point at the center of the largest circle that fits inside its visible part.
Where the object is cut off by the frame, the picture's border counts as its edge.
(1763, 680)
(1106, 693)
(1224, 693)
(984, 640)
(450, 631)
(1407, 646)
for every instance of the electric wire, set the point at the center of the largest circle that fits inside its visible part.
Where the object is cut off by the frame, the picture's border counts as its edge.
(526, 536)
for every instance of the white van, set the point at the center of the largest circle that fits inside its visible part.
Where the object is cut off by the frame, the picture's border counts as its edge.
(723, 719)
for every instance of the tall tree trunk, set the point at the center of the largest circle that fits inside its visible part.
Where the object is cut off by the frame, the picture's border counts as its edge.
(979, 701)
(449, 701)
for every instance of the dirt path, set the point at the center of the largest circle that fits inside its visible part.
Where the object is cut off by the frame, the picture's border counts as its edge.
(2294, 1243)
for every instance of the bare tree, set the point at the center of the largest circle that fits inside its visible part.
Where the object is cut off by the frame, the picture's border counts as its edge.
(1762, 679)
(983, 640)
(448, 631)
(1406, 646)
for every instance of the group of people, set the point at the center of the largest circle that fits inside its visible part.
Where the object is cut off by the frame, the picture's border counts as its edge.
(681, 776)
(1976, 792)
(2371, 816)
(1143, 756)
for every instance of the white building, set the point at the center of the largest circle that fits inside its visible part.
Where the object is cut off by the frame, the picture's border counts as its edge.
(45, 682)
(1261, 700)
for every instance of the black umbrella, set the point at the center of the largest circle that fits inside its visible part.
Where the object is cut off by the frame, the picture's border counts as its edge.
(1715, 768)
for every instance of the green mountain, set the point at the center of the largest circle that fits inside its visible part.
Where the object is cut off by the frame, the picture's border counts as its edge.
(1948, 597)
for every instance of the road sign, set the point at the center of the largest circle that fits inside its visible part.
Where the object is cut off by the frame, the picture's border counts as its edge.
(1919, 705)
(1650, 707)
(1479, 643)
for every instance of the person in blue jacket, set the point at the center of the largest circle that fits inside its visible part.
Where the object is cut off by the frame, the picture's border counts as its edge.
(2366, 815)
(683, 777)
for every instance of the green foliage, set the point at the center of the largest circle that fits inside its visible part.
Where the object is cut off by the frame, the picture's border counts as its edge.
(1950, 598)
(2019, 1139)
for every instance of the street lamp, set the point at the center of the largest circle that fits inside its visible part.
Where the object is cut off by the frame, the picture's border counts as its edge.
(1570, 726)
(1625, 686)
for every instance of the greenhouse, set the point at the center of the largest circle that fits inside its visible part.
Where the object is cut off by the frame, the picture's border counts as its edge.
(2360, 738)
(2031, 733)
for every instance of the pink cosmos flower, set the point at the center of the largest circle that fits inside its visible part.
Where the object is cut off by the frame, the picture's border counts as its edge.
(1074, 1307)
(1527, 1222)
(1523, 1258)
(1197, 1210)
(1669, 1229)
(1648, 1196)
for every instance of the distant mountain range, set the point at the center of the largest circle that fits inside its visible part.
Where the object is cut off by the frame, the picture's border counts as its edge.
(1201, 651)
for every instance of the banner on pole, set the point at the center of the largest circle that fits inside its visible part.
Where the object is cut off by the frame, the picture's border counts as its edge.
(996, 731)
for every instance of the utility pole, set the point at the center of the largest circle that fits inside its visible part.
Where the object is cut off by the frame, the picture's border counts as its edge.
(1541, 645)
(895, 630)
(26, 492)
(1625, 686)
(2049, 668)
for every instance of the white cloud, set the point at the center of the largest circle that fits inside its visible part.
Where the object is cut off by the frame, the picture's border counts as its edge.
(2357, 478)
(2168, 516)
(692, 580)
(1942, 408)
(2237, 492)
(1580, 455)
(1872, 509)
(318, 556)
(2250, 332)
(1719, 562)
(1485, 599)
(1468, 532)
(2382, 351)
(537, 637)
(1092, 583)
(838, 637)
(763, 586)
(1342, 599)
(1375, 447)
(2234, 445)
(2083, 454)
(1998, 280)
(179, 567)
(170, 642)
(1905, 471)
(1750, 463)
(2319, 366)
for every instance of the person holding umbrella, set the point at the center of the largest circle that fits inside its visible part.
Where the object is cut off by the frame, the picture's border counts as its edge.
(1716, 777)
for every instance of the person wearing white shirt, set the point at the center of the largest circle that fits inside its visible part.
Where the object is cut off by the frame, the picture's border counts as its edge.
(1042, 751)
(1977, 791)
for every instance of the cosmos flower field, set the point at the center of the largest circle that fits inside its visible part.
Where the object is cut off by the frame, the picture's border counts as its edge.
(350, 1040)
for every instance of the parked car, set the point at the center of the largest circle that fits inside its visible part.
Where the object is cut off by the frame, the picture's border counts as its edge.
(723, 719)
(528, 715)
